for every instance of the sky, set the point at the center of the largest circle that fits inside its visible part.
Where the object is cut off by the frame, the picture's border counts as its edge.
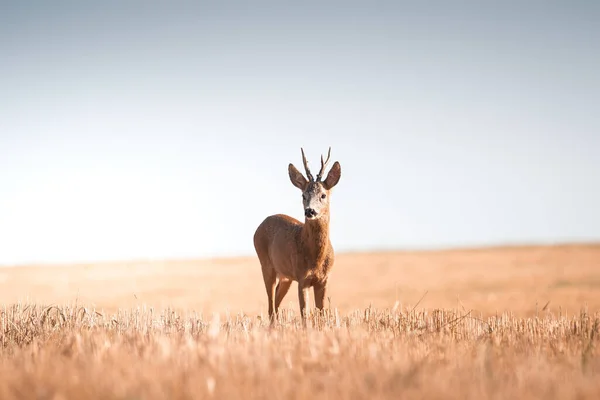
(138, 130)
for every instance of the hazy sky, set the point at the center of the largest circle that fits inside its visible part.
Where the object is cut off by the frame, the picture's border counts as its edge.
(143, 131)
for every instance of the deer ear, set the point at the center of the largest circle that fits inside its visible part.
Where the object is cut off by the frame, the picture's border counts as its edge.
(333, 177)
(297, 178)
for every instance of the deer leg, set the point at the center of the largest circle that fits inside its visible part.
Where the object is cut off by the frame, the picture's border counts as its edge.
(320, 289)
(303, 297)
(282, 289)
(270, 278)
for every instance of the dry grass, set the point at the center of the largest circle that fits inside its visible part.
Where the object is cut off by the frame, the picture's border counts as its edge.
(500, 323)
(75, 352)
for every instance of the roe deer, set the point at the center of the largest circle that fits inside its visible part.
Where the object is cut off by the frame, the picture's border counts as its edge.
(290, 250)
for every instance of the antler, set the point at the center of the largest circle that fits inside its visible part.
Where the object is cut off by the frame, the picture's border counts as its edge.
(323, 165)
(308, 174)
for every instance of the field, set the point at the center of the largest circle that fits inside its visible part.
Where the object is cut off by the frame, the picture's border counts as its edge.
(520, 322)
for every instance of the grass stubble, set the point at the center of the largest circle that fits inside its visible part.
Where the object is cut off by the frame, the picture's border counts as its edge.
(74, 352)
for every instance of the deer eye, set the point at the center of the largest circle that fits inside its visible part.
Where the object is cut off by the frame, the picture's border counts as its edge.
(323, 196)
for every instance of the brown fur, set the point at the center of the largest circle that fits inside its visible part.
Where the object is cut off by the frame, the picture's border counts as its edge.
(290, 250)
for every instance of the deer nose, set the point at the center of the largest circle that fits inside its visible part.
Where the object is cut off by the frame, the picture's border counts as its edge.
(310, 212)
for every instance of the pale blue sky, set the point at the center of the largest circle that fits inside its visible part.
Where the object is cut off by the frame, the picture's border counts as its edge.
(142, 131)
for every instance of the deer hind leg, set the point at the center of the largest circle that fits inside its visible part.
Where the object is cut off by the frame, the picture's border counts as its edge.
(270, 278)
(282, 289)
(303, 293)
(320, 293)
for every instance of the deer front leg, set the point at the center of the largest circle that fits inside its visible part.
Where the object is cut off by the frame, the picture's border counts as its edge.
(320, 289)
(303, 299)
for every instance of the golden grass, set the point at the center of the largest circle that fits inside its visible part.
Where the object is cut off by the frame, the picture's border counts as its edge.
(470, 324)
(75, 352)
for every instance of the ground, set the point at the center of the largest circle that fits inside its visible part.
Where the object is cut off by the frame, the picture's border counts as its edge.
(521, 322)
(517, 279)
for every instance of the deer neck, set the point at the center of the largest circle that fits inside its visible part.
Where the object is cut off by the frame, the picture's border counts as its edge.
(315, 237)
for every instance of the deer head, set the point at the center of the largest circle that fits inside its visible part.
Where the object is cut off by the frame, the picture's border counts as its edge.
(315, 192)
